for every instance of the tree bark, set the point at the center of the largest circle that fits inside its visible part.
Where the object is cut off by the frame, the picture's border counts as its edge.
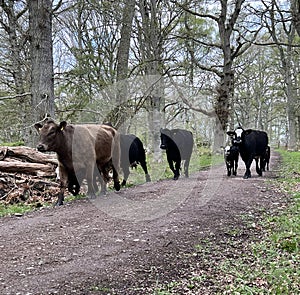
(151, 51)
(42, 84)
(122, 63)
(286, 70)
(295, 9)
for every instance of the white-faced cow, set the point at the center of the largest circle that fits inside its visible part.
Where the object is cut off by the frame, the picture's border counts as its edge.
(83, 151)
(132, 154)
(231, 157)
(252, 144)
(178, 144)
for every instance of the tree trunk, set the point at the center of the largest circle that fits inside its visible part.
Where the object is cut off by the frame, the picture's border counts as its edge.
(151, 51)
(17, 38)
(42, 84)
(295, 9)
(122, 62)
(225, 89)
(286, 69)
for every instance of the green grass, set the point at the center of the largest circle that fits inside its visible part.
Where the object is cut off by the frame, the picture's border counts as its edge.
(17, 143)
(14, 209)
(275, 258)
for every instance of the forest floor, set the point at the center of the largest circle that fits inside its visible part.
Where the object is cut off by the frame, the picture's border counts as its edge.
(141, 239)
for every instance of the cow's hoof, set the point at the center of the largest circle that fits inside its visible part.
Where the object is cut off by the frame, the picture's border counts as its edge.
(123, 182)
(176, 177)
(117, 186)
(148, 178)
(246, 176)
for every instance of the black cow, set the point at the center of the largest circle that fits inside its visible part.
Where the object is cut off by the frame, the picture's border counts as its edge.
(252, 145)
(231, 157)
(178, 144)
(132, 153)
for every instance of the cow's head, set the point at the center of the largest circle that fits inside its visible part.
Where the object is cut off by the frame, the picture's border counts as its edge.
(49, 135)
(226, 150)
(237, 136)
(165, 136)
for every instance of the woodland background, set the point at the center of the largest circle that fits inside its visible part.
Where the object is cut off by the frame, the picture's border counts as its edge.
(147, 64)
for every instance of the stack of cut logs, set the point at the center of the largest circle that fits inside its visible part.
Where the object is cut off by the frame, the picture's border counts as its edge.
(27, 176)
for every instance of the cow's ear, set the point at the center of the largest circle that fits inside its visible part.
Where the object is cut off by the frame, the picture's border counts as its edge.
(62, 125)
(38, 126)
(248, 131)
(231, 133)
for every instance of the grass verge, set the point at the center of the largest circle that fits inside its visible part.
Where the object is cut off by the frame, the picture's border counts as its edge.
(275, 258)
(266, 263)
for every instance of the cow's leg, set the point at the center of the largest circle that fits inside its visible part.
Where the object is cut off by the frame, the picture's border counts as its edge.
(103, 185)
(144, 166)
(73, 185)
(117, 185)
(171, 165)
(90, 181)
(170, 162)
(262, 164)
(186, 167)
(235, 166)
(63, 185)
(103, 178)
(248, 165)
(228, 169)
(258, 161)
(177, 168)
(126, 174)
(111, 164)
(61, 195)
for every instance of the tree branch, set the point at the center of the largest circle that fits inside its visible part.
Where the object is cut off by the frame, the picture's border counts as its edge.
(15, 96)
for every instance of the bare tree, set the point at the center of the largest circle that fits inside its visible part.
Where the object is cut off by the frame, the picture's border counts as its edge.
(230, 43)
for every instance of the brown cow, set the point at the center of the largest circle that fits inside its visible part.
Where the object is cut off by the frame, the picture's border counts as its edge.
(82, 151)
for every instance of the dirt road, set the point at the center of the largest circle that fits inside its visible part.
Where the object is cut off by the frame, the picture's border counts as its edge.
(133, 241)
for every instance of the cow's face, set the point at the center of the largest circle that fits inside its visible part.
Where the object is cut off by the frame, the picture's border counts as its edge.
(49, 133)
(226, 151)
(237, 136)
(165, 135)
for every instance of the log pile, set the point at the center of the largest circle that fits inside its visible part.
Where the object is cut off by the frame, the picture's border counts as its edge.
(27, 176)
